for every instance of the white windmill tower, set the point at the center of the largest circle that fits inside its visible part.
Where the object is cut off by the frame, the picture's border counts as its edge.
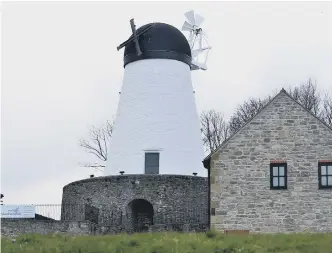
(156, 128)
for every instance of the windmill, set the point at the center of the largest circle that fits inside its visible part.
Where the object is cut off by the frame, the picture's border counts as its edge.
(197, 40)
(156, 106)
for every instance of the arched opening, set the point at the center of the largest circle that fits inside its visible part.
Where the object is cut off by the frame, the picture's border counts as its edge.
(140, 215)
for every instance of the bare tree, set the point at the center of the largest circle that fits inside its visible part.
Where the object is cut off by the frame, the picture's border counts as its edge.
(308, 96)
(99, 140)
(245, 112)
(214, 129)
(326, 112)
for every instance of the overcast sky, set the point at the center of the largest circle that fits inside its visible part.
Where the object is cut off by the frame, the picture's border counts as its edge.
(61, 73)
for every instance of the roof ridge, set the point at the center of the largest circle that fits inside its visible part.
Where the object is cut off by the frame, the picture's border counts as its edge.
(319, 119)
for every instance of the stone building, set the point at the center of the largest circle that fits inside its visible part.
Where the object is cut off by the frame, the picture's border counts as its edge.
(138, 203)
(274, 174)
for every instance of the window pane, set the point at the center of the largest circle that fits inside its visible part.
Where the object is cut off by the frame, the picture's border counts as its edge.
(324, 183)
(329, 182)
(275, 181)
(323, 170)
(282, 171)
(329, 169)
(151, 163)
(275, 171)
(152, 159)
(281, 181)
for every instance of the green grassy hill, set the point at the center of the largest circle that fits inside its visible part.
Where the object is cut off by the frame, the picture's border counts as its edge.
(170, 243)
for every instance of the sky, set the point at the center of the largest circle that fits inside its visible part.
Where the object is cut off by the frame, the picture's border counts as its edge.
(61, 73)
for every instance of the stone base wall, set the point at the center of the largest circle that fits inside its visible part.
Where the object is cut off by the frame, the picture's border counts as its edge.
(14, 227)
(186, 228)
(179, 228)
(106, 230)
(109, 201)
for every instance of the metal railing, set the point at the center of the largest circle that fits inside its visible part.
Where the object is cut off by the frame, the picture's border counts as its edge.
(52, 211)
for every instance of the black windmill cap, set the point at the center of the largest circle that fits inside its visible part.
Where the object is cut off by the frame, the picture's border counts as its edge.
(161, 41)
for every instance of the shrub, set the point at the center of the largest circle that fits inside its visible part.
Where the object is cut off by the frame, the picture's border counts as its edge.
(211, 234)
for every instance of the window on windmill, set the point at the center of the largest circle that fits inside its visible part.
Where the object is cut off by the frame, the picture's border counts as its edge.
(152, 163)
(325, 175)
(278, 176)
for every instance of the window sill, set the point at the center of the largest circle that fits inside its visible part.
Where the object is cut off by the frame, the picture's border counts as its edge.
(282, 189)
(324, 187)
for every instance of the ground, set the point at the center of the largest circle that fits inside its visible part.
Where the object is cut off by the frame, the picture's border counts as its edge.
(210, 242)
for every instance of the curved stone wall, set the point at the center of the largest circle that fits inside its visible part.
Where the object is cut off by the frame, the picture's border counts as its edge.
(137, 202)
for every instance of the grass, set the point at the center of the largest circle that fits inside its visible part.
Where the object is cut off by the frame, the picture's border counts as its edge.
(210, 242)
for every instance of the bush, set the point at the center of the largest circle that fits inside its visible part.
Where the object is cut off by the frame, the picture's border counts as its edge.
(211, 234)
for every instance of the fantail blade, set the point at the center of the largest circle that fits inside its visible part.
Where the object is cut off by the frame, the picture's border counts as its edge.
(187, 27)
(190, 15)
(198, 20)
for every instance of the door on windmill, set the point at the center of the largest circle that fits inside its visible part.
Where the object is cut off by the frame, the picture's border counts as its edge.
(151, 163)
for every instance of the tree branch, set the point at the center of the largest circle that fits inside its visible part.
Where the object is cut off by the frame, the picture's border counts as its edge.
(99, 140)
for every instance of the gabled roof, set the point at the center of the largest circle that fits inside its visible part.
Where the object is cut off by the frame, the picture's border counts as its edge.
(223, 144)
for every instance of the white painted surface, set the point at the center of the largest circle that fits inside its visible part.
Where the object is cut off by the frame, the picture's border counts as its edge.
(156, 112)
(18, 211)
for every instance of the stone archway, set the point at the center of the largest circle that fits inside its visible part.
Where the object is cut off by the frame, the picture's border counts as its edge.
(140, 214)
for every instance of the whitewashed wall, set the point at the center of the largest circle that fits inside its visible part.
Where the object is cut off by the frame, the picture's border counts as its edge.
(156, 112)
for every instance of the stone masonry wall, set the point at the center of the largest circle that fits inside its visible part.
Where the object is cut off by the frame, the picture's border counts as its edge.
(189, 228)
(175, 199)
(240, 173)
(14, 227)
